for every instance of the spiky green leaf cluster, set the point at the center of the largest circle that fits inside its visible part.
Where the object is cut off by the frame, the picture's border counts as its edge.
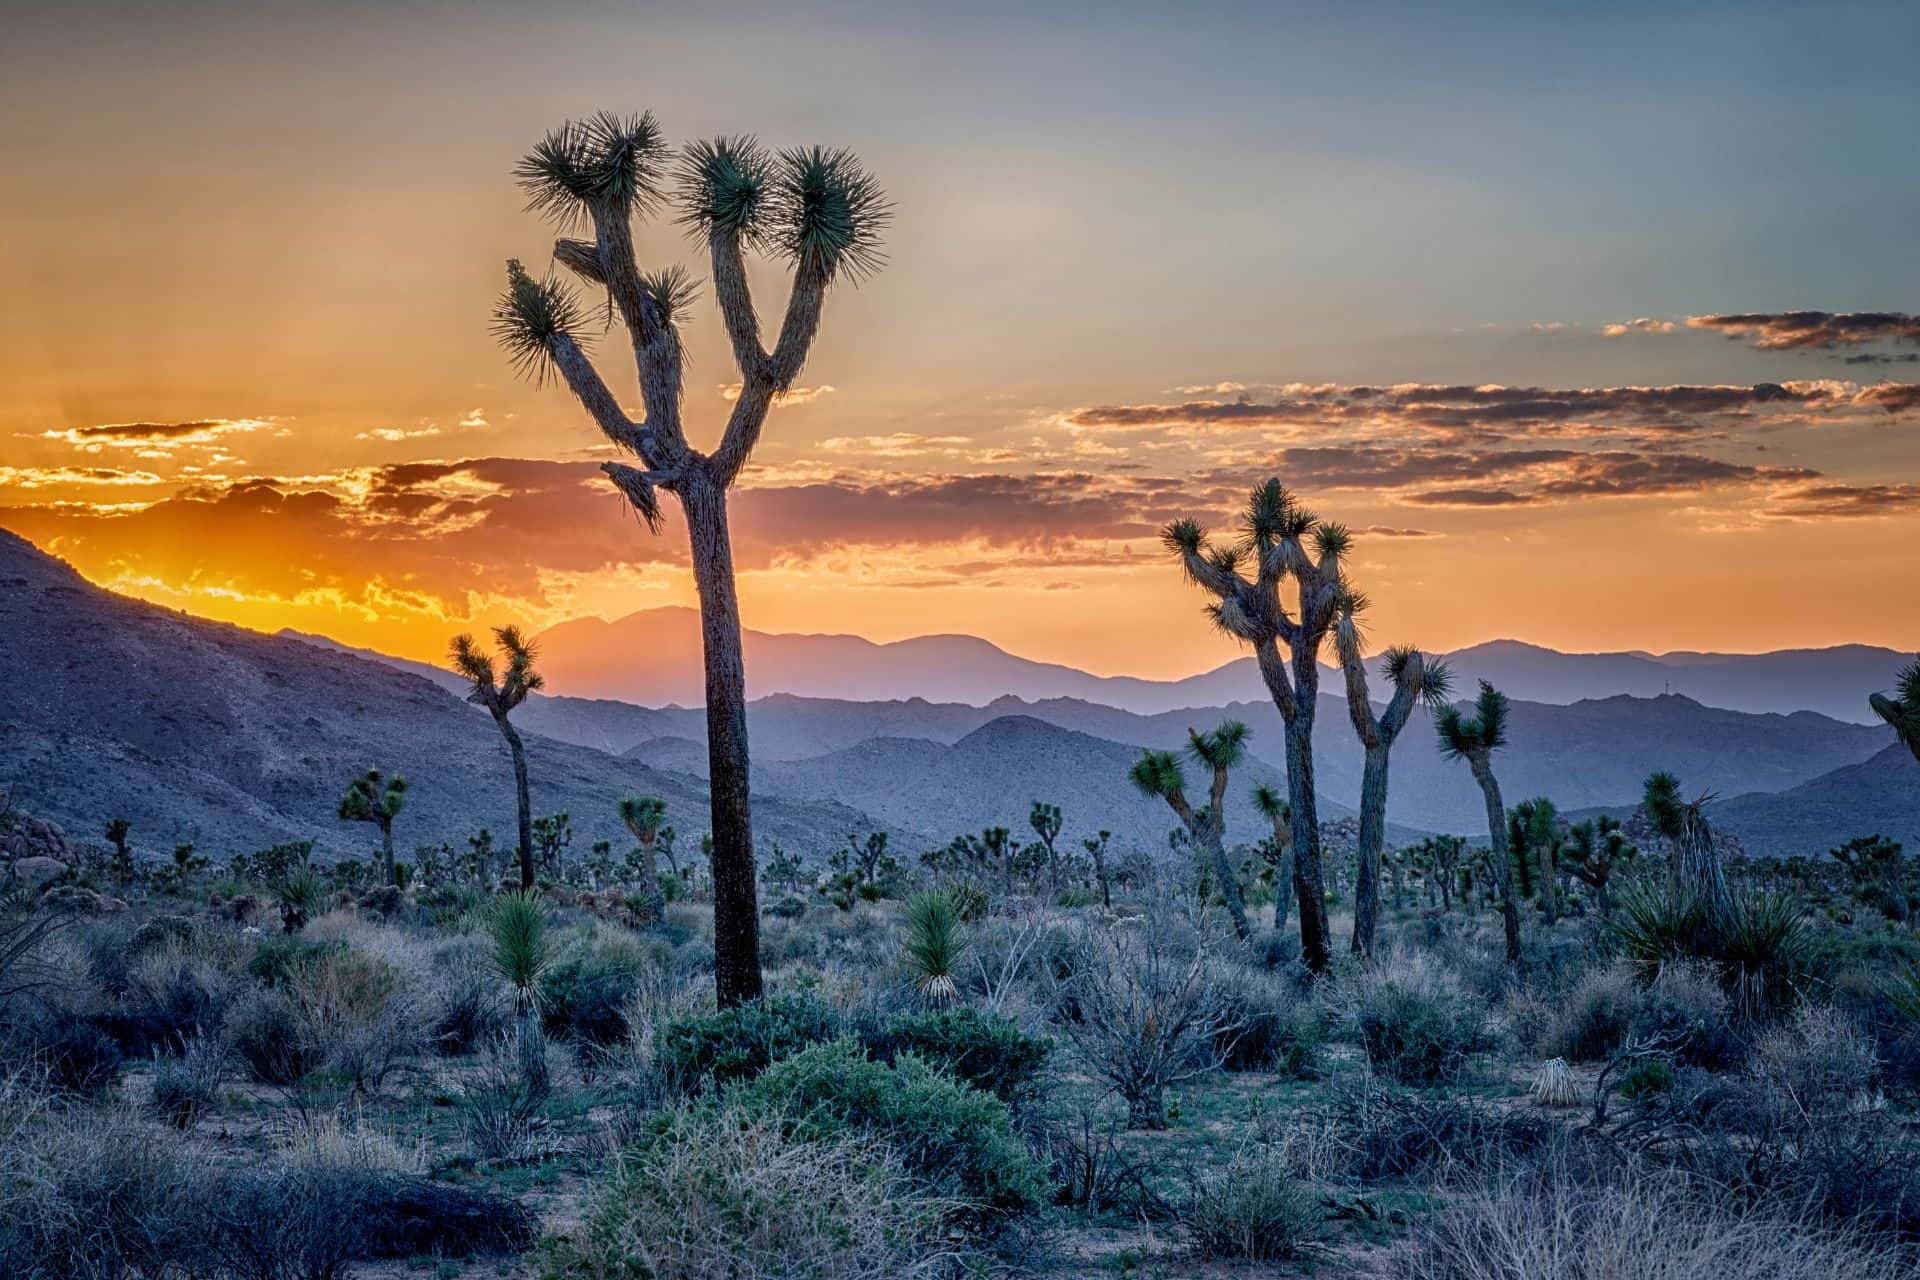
(1333, 539)
(1158, 773)
(522, 952)
(723, 186)
(373, 797)
(1903, 713)
(1272, 805)
(1221, 748)
(529, 315)
(1463, 736)
(642, 815)
(607, 160)
(672, 291)
(827, 212)
(935, 942)
(1665, 809)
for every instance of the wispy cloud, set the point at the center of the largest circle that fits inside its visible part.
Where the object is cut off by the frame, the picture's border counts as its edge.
(1811, 330)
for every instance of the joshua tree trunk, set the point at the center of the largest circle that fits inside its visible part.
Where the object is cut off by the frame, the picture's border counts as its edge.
(1549, 882)
(386, 852)
(521, 800)
(1373, 838)
(1701, 876)
(1309, 884)
(736, 910)
(1501, 859)
(1215, 844)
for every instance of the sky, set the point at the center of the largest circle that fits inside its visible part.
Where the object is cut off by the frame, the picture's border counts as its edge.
(1594, 322)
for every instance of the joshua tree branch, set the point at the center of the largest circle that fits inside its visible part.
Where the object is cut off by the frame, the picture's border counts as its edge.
(736, 302)
(1273, 669)
(1359, 702)
(1405, 693)
(764, 377)
(656, 351)
(592, 393)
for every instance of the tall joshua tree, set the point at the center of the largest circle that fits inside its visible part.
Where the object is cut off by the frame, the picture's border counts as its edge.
(374, 797)
(819, 210)
(642, 816)
(1273, 807)
(1159, 773)
(1280, 540)
(1415, 679)
(1902, 712)
(500, 691)
(1475, 739)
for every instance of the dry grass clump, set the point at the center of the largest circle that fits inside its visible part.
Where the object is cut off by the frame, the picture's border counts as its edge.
(719, 1195)
(1644, 1229)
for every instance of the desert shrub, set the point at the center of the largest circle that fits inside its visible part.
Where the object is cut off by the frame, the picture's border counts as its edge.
(787, 908)
(1417, 1034)
(1646, 1078)
(741, 1042)
(710, 1194)
(1762, 952)
(1266, 1026)
(1818, 1060)
(171, 996)
(983, 1049)
(1141, 1007)
(276, 961)
(956, 1140)
(272, 1038)
(1641, 1230)
(1274, 949)
(584, 994)
(185, 1087)
(503, 1100)
(69, 1049)
(1250, 1211)
(463, 1009)
(1373, 1134)
(1686, 1011)
(1592, 1020)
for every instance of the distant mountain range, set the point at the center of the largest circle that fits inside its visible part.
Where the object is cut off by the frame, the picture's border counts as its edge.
(203, 732)
(1592, 753)
(595, 658)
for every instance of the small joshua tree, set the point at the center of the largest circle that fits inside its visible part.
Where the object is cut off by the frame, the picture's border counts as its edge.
(821, 211)
(500, 692)
(1475, 739)
(1903, 711)
(643, 816)
(1275, 533)
(1595, 849)
(1046, 822)
(124, 869)
(1415, 679)
(374, 797)
(1278, 848)
(552, 837)
(1159, 773)
(1096, 847)
(1534, 832)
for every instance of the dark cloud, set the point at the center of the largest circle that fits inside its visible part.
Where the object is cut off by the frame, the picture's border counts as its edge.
(1843, 501)
(1812, 330)
(1472, 498)
(145, 430)
(1388, 531)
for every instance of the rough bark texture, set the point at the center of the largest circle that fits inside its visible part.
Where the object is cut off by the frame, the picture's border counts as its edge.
(736, 908)
(1502, 857)
(1309, 882)
(525, 805)
(1372, 840)
(388, 867)
(653, 901)
(1701, 876)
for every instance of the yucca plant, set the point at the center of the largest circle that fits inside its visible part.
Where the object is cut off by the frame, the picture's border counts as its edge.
(1695, 866)
(1274, 808)
(816, 208)
(1765, 950)
(302, 894)
(1903, 991)
(500, 691)
(1654, 926)
(517, 924)
(935, 942)
(1279, 540)
(1474, 739)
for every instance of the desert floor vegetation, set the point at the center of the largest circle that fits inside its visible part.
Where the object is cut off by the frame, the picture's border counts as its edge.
(958, 1071)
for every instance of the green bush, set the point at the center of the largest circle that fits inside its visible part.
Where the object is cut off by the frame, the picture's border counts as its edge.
(1645, 1078)
(278, 961)
(272, 1037)
(984, 1050)
(1418, 1037)
(1251, 1211)
(1591, 1022)
(713, 1194)
(741, 1042)
(956, 1140)
(584, 997)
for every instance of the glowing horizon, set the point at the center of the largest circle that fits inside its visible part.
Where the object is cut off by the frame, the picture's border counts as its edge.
(1577, 376)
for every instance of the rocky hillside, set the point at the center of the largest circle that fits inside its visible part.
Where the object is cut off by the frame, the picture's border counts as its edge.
(200, 732)
(1878, 796)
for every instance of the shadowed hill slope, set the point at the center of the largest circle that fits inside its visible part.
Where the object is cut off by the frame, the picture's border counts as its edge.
(201, 732)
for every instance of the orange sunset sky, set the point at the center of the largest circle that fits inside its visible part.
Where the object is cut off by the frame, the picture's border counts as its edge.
(1599, 329)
